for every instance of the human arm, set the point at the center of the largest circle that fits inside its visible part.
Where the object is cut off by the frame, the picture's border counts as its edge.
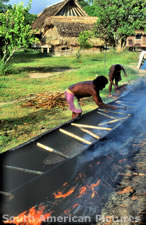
(101, 104)
(122, 68)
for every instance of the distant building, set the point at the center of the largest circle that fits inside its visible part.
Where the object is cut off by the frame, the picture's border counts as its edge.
(137, 41)
(58, 28)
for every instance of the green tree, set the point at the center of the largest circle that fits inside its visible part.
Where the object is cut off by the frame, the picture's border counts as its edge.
(118, 19)
(83, 3)
(89, 7)
(15, 32)
(30, 17)
(84, 39)
(3, 6)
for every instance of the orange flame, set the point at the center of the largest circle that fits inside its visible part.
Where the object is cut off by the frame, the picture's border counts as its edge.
(61, 195)
(67, 211)
(75, 205)
(34, 217)
(92, 188)
(82, 191)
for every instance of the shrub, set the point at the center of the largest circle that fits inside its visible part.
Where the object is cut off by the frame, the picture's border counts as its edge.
(6, 69)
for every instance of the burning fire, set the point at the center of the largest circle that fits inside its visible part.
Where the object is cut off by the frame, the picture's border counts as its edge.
(67, 211)
(75, 205)
(34, 217)
(92, 188)
(61, 195)
(83, 189)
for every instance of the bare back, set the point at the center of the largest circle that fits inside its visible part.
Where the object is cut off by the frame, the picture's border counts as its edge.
(85, 89)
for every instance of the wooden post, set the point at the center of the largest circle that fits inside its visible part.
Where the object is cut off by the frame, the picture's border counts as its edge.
(114, 121)
(111, 117)
(47, 148)
(90, 133)
(75, 136)
(90, 126)
(24, 170)
(122, 113)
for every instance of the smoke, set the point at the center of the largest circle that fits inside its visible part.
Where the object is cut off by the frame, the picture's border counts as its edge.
(120, 140)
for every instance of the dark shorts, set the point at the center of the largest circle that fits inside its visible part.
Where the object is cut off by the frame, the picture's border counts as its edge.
(116, 77)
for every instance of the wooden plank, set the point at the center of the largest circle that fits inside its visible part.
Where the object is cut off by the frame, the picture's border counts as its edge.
(75, 136)
(24, 170)
(125, 105)
(90, 126)
(110, 111)
(90, 133)
(104, 114)
(47, 148)
(9, 195)
(114, 121)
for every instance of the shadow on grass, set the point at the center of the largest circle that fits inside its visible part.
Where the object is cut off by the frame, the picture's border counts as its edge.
(19, 130)
(30, 56)
(98, 60)
(33, 119)
(45, 69)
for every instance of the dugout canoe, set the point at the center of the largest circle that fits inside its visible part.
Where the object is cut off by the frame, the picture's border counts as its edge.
(30, 172)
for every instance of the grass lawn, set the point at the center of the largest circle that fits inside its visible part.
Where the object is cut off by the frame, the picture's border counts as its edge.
(18, 123)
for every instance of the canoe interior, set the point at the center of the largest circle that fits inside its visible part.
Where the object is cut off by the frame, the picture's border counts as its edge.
(36, 178)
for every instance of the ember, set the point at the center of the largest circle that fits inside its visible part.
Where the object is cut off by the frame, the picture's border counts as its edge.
(82, 191)
(61, 195)
(92, 188)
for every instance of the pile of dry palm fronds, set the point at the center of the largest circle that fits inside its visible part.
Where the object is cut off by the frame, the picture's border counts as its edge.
(47, 100)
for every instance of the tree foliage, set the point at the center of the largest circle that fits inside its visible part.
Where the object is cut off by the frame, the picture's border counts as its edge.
(3, 6)
(83, 3)
(84, 39)
(118, 19)
(15, 32)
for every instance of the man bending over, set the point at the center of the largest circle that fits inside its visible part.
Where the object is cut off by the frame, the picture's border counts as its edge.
(86, 89)
(115, 76)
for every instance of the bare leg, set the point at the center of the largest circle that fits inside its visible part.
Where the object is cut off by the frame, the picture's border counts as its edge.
(116, 83)
(75, 115)
(110, 89)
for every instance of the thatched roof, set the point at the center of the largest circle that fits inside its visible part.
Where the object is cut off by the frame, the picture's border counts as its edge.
(70, 26)
(65, 8)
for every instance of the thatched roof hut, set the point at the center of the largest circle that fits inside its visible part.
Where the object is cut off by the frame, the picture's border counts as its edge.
(59, 26)
(65, 8)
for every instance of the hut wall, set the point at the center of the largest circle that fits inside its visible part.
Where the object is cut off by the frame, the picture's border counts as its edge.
(136, 41)
(55, 44)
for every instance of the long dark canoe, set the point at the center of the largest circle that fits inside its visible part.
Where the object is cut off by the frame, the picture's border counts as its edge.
(31, 174)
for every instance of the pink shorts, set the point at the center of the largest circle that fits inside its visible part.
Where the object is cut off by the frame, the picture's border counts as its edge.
(74, 105)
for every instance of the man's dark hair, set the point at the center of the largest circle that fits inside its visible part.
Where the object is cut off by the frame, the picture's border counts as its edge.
(100, 81)
(118, 67)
